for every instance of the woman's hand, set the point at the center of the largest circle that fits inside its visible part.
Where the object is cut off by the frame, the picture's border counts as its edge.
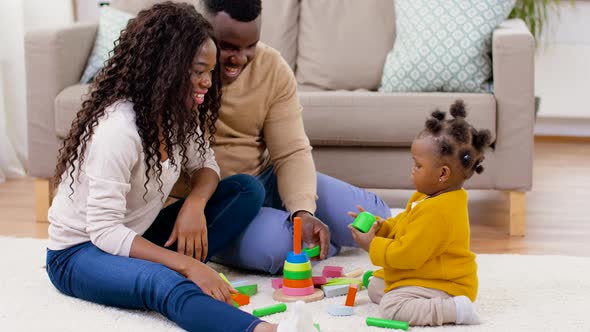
(190, 229)
(209, 281)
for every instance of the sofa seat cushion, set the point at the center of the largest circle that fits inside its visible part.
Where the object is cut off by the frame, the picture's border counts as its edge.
(365, 118)
(67, 104)
(342, 44)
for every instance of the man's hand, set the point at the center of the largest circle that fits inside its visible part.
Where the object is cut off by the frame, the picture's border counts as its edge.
(314, 232)
(190, 229)
(364, 239)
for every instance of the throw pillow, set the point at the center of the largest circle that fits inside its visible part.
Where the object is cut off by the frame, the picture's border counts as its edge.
(443, 45)
(111, 22)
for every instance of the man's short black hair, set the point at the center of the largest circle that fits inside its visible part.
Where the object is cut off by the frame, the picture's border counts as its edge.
(240, 10)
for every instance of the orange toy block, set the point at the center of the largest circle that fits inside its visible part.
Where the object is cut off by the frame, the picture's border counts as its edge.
(297, 283)
(297, 235)
(241, 299)
(351, 295)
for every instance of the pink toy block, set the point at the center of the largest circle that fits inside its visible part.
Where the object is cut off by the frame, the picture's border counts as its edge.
(332, 271)
(318, 281)
(277, 283)
(298, 291)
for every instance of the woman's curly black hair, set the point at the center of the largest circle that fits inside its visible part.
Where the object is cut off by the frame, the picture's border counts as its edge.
(458, 139)
(150, 67)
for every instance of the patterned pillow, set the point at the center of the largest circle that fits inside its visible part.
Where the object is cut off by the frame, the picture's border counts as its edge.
(443, 45)
(112, 21)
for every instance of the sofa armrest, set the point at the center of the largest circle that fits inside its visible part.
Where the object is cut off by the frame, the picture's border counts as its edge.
(513, 50)
(54, 59)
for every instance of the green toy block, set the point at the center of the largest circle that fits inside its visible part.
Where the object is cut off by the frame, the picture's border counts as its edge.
(387, 323)
(273, 309)
(364, 221)
(312, 252)
(344, 281)
(248, 289)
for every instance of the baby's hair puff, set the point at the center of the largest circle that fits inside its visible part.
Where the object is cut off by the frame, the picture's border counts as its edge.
(457, 139)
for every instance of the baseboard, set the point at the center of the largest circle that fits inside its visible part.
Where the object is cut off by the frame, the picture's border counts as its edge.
(553, 126)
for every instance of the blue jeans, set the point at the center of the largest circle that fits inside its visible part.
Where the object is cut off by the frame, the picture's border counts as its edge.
(265, 243)
(88, 273)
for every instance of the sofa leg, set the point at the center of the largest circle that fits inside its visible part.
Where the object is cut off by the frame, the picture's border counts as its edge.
(43, 198)
(517, 213)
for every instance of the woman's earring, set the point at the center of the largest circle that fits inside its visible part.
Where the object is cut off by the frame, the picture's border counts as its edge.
(439, 179)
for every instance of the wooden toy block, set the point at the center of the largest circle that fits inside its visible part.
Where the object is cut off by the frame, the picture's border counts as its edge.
(297, 283)
(278, 295)
(248, 289)
(337, 290)
(241, 299)
(344, 281)
(318, 281)
(298, 291)
(350, 297)
(224, 278)
(340, 310)
(273, 309)
(332, 271)
(297, 235)
(277, 283)
(242, 282)
(354, 273)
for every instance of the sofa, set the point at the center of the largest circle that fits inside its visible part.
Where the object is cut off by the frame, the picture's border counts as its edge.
(337, 50)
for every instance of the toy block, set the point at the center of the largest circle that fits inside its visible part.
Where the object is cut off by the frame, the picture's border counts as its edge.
(273, 309)
(364, 221)
(350, 297)
(387, 323)
(354, 273)
(332, 271)
(340, 310)
(297, 283)
(297, 258)
(248, 289)
(241, 299)
(242, 282)
(297, 235)
(298, 291)
(318, 281)
(344, 281)
(224, 278)
(366, 278)
(312, 252)
(297, 267)
(337, 290)
(277, 283)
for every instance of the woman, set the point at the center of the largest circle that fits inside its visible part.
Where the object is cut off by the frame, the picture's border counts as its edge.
(142, 123)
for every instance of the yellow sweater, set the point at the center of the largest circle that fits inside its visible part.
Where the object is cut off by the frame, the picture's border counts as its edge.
(428, 246)
(260, 124)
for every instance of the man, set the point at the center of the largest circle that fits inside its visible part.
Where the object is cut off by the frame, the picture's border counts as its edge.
(260, 132)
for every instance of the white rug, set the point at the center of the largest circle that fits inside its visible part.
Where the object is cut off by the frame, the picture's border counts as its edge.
(517, 293)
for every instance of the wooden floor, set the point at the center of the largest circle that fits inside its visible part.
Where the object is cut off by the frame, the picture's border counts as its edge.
(558, 208)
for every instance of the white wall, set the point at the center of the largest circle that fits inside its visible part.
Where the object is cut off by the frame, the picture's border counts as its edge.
(562, 73)
(17, 17)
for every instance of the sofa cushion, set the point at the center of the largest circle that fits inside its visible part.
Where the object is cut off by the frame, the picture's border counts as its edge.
(111, 22)
(343, 118)
(280, 27)
(443, 45)
(67, 104)
(343, 43)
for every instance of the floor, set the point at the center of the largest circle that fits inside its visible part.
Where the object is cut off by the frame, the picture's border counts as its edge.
(558, 208)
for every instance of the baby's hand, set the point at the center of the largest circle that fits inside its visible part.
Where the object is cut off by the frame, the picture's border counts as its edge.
(364, 239)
